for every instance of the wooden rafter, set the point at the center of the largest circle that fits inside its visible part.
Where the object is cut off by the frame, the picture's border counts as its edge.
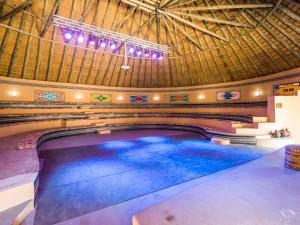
(16, 10)
(50, 18)
(183, 31)
(171, 35)
(194, 26)
(120, 24)
(227, 7)
(213, 20)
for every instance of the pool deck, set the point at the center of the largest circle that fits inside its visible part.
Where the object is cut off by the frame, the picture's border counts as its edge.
(262, 192)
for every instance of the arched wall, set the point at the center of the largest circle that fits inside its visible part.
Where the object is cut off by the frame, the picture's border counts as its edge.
(24, 90)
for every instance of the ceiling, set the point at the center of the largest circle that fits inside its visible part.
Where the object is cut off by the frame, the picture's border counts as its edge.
(211, 41)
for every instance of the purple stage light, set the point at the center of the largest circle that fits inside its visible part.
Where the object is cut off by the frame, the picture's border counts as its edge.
(146, 54)
(139, 52)
(80, 38)
(131, 50)
(102, 44)
(68, 35)
(154, 55)
(92, 42)
(161, 57)
(112, 46)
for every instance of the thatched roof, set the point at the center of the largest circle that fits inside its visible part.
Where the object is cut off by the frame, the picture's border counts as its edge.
(211, 41)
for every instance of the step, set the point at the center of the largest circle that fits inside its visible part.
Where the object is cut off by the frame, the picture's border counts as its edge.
(16, 190)
(260, 119)
(103, 131)
(262, 129)
(243, 125)
(99, 124)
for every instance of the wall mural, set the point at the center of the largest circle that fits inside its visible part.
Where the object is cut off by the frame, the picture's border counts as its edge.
(49, 96)
(179, 98)
(287, 89)
(100, 98)
(138, 98)
(228, 95)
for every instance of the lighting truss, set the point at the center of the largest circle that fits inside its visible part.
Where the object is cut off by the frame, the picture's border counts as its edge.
(108, 34)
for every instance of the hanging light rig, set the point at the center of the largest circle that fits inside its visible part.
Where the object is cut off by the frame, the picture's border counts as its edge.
(125, 66)
(101, 38)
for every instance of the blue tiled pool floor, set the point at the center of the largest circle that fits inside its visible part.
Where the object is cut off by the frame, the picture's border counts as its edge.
(78, 180)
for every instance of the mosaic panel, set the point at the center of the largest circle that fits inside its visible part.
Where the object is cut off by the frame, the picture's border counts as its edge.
(183, 98)
(138, 98)
(49, 96)
(101, 98)
(228, 95)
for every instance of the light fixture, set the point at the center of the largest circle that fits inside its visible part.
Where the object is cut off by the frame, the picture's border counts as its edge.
(120, 98)
(146, 54)
(113, 45)
(131, 50)
(69, 26)
(102, 43)
(201, 97)
(80, 38)
(67, 34)
(78, 96)
(139, 52)
(91, 40)
(156, 98)
(258, 93)
(161, 57)
(13, 93)
(154, 55)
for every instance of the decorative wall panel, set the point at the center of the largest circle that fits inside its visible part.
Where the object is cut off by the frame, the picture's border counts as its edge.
(49, 96)
(138, 98)
(179, 98)
(287, 89)
(100, 98)
(228, 95)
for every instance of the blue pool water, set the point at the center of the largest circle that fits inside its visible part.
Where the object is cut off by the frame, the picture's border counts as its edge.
(78, 180)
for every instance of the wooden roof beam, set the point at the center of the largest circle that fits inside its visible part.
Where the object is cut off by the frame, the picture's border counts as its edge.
(16, 10)
(183, 31)
(50, 18)
(227, 7)
(195, 26)
(213, 20)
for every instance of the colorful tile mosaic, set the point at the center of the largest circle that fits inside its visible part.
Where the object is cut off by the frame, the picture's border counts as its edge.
(101, 98)
(179, 98)
(287, 89)
(228, 95)
(138, 98)
(49, 96)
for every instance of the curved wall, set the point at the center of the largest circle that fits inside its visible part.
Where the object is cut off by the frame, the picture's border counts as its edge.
(24, 90)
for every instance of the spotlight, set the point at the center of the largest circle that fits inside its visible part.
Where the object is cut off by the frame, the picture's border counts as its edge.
(68, 35)
(113, 46)
(13, 93)
(120, 98)
(201, 97)
(80, 38)
(154, 55)
(131, 50)
(78, 96)
(139, 52)
(156, 98)
(91, 40)
(102, 43)
(161, 57)
(146, 54)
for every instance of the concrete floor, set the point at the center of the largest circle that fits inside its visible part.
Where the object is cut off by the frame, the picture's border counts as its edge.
(262, 192)
(85, 180)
